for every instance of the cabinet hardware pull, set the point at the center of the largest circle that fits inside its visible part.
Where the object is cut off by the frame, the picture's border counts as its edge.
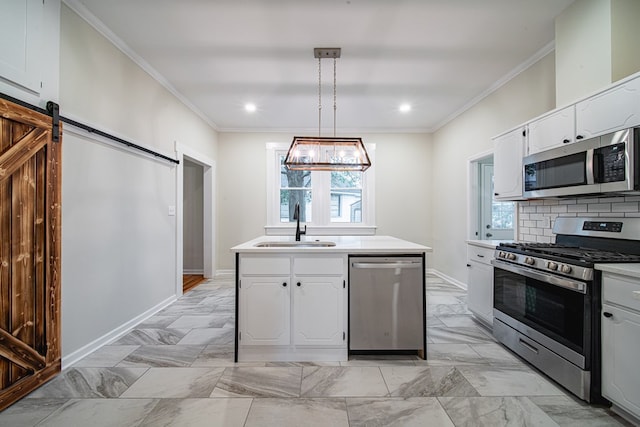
(528, 346)
(480, 256)
(299, 284)
(579, 136)
(566, 141)
(607, 314)
(468, 265)
(284, 284)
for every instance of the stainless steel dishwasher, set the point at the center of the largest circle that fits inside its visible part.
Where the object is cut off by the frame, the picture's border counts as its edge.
(386, 304)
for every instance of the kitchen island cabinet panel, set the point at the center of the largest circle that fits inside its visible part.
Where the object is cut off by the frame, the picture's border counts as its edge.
(318, 305)
(264, 310)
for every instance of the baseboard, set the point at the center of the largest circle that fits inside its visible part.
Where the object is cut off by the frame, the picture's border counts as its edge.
(194, 271)
(69, 360)
(223, 274)
(447, 278)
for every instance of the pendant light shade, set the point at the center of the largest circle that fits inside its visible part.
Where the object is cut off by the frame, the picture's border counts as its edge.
(327, 153)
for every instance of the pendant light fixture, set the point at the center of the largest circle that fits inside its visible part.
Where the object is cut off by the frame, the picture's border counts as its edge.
(327, 153)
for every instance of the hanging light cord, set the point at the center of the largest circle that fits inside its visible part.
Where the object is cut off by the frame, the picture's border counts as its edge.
(335, 103)
(319, 96)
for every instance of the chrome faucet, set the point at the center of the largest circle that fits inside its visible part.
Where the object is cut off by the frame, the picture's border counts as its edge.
(296, 216)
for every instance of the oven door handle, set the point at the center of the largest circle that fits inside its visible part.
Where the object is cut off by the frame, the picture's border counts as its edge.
(572, 285)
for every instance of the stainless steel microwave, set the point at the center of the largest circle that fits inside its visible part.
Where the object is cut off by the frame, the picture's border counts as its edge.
(605, 164)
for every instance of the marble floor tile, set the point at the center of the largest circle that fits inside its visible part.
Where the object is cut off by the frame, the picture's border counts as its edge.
(216, 356)
(439, 310)
(106, 356)
(209, 336)
(162, 356)
(178, 309)
(442, 299)
(152, 337)
(381, 360)
(497, 355)
(300, 364)
(494, 412)
(157, 322)
(507, 381)
(453, 354)
(425, 381)
(456, 320)
(198, 413)
(342, 382)
(89, 383)
(201, 321)
(184, 382)
(298, 412)
(459, 335)
(397, 412)
(100, 413)
(434, 321)
(29, 412)
(569, 412)
(259, 382)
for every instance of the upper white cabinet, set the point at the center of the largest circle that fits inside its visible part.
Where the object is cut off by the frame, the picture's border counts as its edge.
(611, 110)
(21, 23)
(507, 165)
(552, 130)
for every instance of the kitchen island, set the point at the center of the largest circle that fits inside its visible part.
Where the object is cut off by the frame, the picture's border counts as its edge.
(293, 297)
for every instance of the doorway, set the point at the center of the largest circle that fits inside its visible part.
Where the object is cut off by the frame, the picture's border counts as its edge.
(195, 198)
(489, 219)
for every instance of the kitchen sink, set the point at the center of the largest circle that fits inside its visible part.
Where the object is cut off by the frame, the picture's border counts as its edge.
(307, 244)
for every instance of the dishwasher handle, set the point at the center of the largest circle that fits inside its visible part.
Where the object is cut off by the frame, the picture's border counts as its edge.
(385, 265)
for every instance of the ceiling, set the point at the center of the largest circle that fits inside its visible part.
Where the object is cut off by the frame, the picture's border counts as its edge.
(439, 56)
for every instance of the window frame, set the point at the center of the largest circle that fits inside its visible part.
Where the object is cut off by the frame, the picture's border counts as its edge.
(321, 199)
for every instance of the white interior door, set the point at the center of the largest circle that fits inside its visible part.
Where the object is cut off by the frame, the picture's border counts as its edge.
(496, 218)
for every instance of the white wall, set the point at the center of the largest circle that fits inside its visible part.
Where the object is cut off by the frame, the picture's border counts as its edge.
(119, 241)
(528, 95)
(403, 183)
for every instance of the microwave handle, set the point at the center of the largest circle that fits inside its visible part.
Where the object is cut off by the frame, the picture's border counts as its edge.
(591, 167)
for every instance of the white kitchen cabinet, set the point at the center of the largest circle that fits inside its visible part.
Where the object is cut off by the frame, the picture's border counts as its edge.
(292, 307)
(480, 282)
(318, 311)
(265, 310)
(553, 130)
(507, 165)
(621, 341)
(614, 109)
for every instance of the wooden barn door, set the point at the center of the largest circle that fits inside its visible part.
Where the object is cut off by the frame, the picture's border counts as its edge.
(30, 184)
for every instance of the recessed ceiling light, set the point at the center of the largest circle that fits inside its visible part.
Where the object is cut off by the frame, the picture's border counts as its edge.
(250, 107)
(404, 108)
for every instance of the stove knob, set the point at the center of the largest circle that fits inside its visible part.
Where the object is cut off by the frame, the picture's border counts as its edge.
(566, 269)
(529, 260)
(552, 266)
(511, 257)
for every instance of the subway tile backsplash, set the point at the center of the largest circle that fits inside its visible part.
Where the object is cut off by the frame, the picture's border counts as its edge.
(536, 217)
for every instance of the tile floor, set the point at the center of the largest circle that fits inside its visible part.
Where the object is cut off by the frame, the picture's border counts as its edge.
(176, 369)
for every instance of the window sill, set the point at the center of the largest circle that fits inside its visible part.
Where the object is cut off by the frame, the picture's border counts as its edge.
(331, 230)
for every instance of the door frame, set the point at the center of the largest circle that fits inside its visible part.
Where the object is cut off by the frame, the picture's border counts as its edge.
(474, 194)
(209, 218)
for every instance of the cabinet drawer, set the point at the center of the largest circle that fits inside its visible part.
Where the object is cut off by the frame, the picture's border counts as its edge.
(480, 254)
(265, 266)
(318, 266)
(621, 290)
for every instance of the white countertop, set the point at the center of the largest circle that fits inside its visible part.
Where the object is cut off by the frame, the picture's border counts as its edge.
(632, 270)
(344, 244)
(488, 243)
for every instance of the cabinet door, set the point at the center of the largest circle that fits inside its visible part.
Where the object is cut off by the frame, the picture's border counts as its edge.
(318, 310)
(609, 111)
(480, 290)
(264, 304)
(620, 350)
(553, 130)
(507, 165)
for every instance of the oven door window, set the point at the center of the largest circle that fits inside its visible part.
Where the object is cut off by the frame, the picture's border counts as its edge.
(554, 311)
(564, 171)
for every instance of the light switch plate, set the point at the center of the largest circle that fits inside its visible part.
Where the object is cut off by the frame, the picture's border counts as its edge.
(172, 211)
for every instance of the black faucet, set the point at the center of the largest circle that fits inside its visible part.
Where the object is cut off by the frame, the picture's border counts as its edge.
(296, 216)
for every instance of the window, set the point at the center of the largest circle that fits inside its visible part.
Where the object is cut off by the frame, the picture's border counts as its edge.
(331, 202)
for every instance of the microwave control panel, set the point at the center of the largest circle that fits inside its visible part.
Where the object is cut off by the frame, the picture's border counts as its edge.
(613, 162)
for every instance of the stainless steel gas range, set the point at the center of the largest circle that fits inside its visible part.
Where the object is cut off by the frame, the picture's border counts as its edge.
(547, 303)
